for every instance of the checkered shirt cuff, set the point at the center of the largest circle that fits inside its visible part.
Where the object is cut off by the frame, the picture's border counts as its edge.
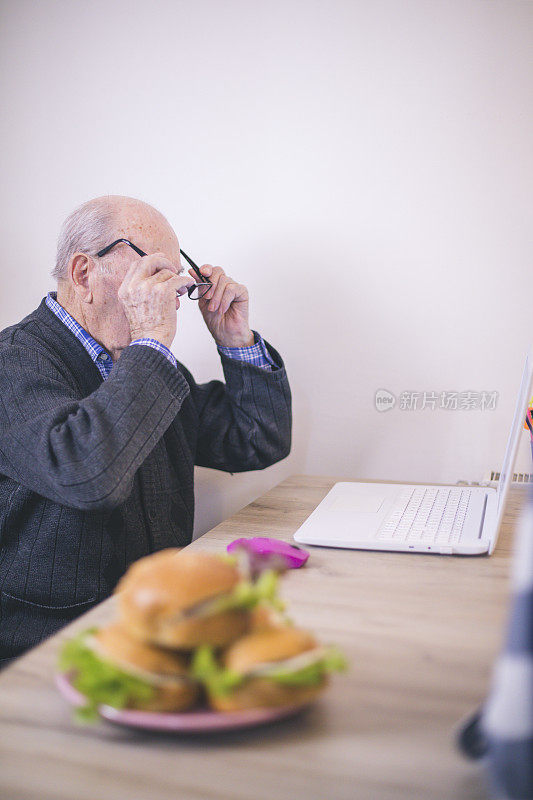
(256, 354)
(157, 346)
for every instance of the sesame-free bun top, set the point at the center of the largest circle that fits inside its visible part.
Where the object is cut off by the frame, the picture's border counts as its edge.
(264, 617)
(113, 641)
(157, 589)
(258, 691)
(264, 646)
(167, 672)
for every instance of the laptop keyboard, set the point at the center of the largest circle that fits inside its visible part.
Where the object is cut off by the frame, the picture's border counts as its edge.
(427, 516)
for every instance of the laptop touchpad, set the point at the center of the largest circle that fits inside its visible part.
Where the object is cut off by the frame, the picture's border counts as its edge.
(367, 501)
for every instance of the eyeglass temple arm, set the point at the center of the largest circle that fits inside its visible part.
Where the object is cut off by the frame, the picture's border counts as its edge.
(203, 278)
(105, 250)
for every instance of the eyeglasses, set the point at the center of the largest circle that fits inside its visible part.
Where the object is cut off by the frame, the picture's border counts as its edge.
(195, 292)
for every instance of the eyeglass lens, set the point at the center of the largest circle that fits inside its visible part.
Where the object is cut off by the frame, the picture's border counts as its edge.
(198, 291)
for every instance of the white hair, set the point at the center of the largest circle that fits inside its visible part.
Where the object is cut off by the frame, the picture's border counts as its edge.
(89, 228)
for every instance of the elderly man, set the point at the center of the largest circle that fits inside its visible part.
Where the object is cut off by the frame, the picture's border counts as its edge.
(101, 427)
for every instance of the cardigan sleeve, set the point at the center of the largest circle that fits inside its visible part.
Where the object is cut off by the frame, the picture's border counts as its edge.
(246, 422)
(83, 452)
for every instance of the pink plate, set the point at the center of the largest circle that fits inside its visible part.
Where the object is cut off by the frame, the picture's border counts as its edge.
(189, 722)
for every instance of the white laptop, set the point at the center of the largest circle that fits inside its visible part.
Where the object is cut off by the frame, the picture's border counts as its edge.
(421, 519)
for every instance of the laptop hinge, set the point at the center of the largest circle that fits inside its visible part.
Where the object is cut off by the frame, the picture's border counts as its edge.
(483, 517)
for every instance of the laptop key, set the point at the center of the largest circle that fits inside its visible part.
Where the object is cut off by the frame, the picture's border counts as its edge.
(428, 516)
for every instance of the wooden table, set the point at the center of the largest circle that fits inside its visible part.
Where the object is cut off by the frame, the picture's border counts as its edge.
(421, 633)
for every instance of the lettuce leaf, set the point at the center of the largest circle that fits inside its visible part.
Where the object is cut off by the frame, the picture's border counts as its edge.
(229, 558)
(221, 681)
(100, 681)
(206, 670)
(246, 595)
(312, 674)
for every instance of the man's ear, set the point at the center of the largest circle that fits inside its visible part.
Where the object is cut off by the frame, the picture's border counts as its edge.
(80, 269)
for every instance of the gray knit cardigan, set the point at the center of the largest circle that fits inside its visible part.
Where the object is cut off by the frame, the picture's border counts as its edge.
(95, 474)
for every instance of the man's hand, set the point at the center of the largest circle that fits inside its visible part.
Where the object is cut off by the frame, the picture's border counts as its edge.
(148, 294)
(225, 308)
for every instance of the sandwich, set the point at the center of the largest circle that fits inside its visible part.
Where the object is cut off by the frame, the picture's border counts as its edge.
(193, 627)
(111, 667)
(266, 615)
(270, 667)
(184, 599)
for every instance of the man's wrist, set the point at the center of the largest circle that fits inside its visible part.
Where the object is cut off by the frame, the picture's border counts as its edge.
(255, 354)
(157, 336)
(246, 340)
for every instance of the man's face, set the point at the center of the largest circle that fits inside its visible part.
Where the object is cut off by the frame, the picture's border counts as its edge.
(150, 233)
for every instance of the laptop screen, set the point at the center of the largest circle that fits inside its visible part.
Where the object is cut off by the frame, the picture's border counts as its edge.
(506, 474)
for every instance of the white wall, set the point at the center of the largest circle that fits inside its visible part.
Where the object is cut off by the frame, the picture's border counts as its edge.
(365, 167)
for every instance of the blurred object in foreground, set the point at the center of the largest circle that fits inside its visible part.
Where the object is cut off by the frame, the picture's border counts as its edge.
(260, 553)
(502, 731)
(528, 424)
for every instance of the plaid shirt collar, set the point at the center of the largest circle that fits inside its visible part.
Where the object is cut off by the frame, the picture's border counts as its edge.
(97, 353)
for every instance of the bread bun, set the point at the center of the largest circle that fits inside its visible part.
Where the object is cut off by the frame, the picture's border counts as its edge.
(250, 654)
(165, 671)
(158, 594)
(264, 617)
(264, 693)
(268, 645)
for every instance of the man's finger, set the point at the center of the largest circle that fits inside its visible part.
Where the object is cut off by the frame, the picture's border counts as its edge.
(165, 274)
(173, 284)
(196, 279)
(147, 266)
(240, 295)
(219, 291)
(230, 293)
(208, 270)
(214, 276)
(161, 275)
